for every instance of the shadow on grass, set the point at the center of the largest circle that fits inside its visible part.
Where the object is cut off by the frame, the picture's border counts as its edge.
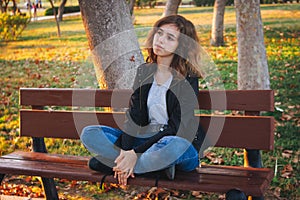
(220, 62)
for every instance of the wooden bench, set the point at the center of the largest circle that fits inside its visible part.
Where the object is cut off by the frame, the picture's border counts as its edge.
(239, 131)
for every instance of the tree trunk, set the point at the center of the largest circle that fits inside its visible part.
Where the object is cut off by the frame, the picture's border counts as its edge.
(29, 8)
(171, 7)
(14, 7)
(218, 23)
(55, 17)
(1, 7)
(113, 42)
(252, 60)
(61, 10)
(4, 5)
(131, 6)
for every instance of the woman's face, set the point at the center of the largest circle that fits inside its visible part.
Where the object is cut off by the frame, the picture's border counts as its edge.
(165, 40)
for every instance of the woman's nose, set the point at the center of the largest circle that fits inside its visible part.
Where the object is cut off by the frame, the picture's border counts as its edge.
(161, 39)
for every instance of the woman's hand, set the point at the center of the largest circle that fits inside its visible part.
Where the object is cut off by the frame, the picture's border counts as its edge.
(122, 177)
(125, 165)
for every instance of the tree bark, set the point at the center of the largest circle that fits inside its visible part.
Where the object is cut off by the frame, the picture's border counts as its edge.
(252, 60)
(113, 42)
(61, 10)
(217, 29)
(171, 7)
(131, 6)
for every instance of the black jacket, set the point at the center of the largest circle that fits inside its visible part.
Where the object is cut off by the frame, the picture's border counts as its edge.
(181, 102)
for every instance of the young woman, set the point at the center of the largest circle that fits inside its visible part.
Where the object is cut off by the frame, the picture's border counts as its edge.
(160, 131)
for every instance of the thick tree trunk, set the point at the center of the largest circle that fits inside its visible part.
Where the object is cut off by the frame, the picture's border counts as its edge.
(171, 7)
(217, 29)
(252, 61)
(61, 10)
(112, 40)
(131, 6)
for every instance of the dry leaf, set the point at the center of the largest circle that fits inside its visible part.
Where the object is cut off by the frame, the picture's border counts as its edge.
(296, 159)
(197, 194)
(287, 154)
(277, 192)
(238, 153)
(287, 171)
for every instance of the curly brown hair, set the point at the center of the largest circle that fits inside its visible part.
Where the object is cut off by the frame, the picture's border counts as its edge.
(187, 54)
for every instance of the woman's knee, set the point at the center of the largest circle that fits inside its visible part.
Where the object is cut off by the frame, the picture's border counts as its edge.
(88, 131)
(176, 140)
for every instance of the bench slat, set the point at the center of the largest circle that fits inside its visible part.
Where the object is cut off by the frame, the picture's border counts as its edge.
(238, 131)
(236, 99)
(252, 181)
(55, 158)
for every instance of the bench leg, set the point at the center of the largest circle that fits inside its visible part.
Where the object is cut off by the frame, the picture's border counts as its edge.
(235, 195)
(39, 145)
(48, 183)
(254, 160)
(1, 178)
(50, 189)
(257, 198)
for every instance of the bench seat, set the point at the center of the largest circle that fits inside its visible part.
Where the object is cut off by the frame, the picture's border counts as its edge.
(209, 178)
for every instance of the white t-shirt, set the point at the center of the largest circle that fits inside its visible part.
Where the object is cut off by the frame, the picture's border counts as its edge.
(156, 103)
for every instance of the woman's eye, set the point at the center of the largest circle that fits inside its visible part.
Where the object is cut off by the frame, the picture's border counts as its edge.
(160, 33)
(170, 38)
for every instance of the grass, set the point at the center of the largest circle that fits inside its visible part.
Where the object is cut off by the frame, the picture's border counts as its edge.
(41, 59)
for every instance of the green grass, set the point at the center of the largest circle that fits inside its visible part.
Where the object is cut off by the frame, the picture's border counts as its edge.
(41, 59)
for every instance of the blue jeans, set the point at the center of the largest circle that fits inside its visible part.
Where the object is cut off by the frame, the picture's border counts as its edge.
(168, 151)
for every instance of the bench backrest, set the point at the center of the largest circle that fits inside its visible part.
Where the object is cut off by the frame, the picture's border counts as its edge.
(238, 131)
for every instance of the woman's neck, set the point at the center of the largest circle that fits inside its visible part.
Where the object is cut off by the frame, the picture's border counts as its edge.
(163, 72)
(164, 62)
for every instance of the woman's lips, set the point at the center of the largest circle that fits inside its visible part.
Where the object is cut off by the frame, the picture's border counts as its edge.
(158, 46)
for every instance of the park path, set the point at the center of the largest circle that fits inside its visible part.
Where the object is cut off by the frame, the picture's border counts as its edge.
(40, 18)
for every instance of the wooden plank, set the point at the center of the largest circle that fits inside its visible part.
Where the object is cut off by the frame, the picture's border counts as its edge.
(63, 124)
(252, 132)
(220, 179)
(73, 97)
(55, 158)
(82, 160)
(232, 171)
(250, 100)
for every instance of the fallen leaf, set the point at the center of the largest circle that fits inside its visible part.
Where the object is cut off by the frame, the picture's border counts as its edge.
(277, 192)
(287, 171)
(238, 153)
(197, 194)
(296, 159)
(287, 154)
